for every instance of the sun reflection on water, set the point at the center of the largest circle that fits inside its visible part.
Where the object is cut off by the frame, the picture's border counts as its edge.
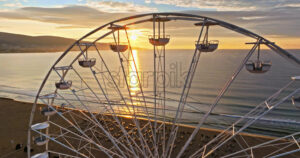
(134, 86)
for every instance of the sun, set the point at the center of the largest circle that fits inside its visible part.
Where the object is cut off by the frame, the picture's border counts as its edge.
(133, 37)
(135, 34)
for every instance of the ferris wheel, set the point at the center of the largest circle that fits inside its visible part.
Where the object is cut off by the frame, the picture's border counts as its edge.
(89, 111)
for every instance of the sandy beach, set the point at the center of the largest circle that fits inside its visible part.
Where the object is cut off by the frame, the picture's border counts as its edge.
(14, 124)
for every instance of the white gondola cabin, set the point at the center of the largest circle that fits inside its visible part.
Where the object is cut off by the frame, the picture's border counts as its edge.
(41, 155)
(89, 62)
(296, 78)
(296, 102)
(159, 41)
(41, 140)
(258, 66)
(40, 126)
(62, 85)
(47, 111)
(205, 46)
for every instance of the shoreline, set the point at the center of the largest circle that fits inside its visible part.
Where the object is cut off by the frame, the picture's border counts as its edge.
(15, 121)
(183, 125)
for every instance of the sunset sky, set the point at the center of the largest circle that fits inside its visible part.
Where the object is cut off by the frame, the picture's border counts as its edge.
(277, 20)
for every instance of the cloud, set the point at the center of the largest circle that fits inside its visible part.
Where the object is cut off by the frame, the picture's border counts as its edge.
(119, 7)
(281, 21)
(76, 16)
(230, 5)
(252, 17)
(275, 22)
(91, 14)
(147, 1)
(13, 5)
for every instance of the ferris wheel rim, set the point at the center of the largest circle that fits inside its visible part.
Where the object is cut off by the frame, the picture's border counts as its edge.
(224, 24)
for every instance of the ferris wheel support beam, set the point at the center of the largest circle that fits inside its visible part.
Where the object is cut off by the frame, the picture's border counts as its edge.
(154, 88)
(154, 84)
(159, 68)
(164, 95)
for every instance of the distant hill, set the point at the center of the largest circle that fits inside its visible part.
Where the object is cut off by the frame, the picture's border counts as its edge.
(21, 43)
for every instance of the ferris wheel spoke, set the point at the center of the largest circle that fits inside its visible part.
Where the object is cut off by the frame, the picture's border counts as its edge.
(134, 67)
(130, 132)
(112, 79)
(250, 121)
(91, 130)
(221, 93)
(94, 119)
(141, 138)
(243, 140)
(77, 128)
(280, 149)
(86, 138)
(102, 117)
(183, 97)
(65, 146)
(240, 145)
(62, 154)
(109, 102)
(122, 128)
(274, 142)
(142, 99)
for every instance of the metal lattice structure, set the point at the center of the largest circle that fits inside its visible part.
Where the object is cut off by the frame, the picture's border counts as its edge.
(88, 114)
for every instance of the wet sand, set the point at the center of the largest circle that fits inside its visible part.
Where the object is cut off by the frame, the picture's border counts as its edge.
(15, 115)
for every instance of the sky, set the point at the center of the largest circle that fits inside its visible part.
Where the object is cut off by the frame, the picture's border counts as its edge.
(276, 20)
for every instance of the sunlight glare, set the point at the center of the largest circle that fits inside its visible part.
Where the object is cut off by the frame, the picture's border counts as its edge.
(133, 37)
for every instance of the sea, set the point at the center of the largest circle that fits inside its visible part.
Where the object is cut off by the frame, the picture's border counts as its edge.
(21, 75)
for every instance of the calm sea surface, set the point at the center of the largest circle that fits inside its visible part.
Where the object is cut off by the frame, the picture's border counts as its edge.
(22, 73)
